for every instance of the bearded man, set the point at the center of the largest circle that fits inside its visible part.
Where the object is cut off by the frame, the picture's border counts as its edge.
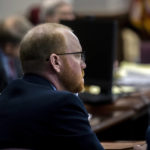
(41, 110)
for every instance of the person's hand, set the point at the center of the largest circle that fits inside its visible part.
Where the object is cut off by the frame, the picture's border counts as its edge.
(140, 147)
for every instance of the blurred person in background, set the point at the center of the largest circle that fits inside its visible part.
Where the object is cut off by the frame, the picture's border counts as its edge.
(50, 11)
(56, 10)
(12, 29)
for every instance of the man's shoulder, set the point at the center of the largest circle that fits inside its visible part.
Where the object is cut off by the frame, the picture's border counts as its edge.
(68, 97)
(42, 95)
(23, 84)
(24, 88)
(69, 101)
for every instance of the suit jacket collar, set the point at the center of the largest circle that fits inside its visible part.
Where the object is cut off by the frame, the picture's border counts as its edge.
(38, 80)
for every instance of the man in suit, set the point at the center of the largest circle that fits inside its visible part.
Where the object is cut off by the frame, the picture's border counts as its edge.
(41, 110)
(12, 29)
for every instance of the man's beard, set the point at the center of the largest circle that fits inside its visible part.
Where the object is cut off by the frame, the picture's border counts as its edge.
(72, 82)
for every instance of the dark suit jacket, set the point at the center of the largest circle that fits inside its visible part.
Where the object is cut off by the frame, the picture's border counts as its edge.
(4, 81)
(3, 78)
(33, 114)
(148, 138)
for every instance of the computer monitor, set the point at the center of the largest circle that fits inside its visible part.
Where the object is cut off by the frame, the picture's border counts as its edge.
(98, 39)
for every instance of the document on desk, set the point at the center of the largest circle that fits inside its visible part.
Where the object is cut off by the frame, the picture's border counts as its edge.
(134, 74)
(121, 145)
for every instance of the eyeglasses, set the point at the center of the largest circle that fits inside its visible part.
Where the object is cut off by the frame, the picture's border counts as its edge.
(80, 55)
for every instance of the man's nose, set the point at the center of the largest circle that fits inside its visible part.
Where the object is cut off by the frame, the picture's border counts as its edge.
(83, 64)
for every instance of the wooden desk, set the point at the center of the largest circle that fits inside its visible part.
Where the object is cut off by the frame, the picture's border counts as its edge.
(105, 116)
(121, 145)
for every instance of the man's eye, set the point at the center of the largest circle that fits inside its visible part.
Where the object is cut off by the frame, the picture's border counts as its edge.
(78, 55)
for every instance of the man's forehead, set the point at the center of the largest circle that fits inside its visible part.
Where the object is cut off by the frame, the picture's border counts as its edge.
(72, 34)
(72, 41)
(70, 38)
(66, 31)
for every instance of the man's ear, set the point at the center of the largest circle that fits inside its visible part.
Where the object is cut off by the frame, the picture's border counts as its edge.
(55, 62)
